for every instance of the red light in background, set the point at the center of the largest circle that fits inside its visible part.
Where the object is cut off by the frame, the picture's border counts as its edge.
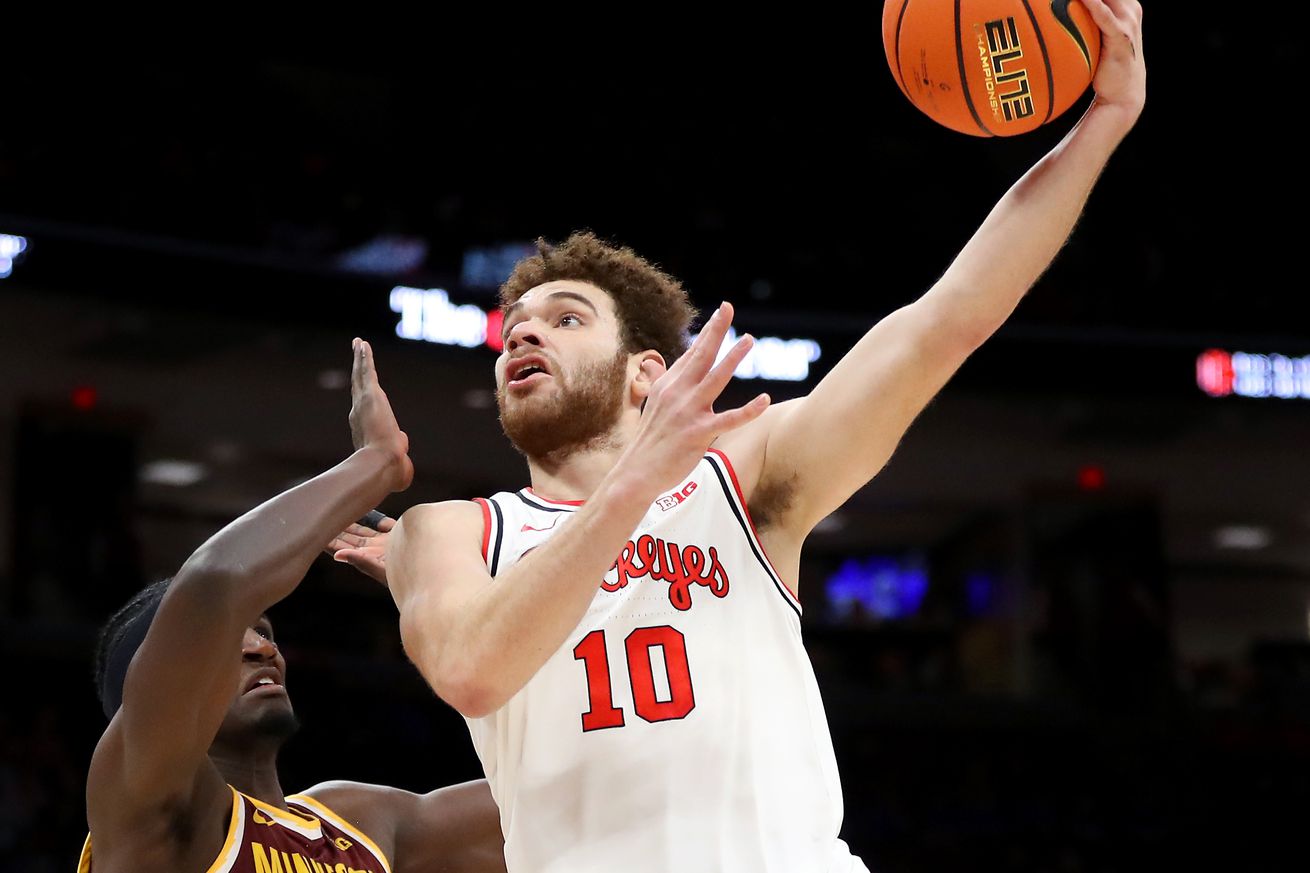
(1091, 478)
(495, 320)
(1214, 372)
(84, 397)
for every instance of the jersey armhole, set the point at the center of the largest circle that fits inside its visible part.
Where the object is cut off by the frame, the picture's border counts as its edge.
(486, 526)
(493, 528)
(227, 855)
(752, 533)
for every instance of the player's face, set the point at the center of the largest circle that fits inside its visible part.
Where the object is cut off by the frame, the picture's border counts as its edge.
(553, 329)
(261, 704)
(562, 377)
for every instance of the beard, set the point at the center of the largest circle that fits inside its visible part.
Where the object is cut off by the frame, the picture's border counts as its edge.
(580, 415)
(277, 726)
(243, 732)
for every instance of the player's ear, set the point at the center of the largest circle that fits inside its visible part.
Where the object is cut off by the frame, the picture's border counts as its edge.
(649, 367)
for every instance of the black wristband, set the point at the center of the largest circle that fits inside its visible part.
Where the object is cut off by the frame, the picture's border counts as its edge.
(373, 519)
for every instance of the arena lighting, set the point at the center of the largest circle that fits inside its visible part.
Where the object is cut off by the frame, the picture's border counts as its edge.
(1221, 374)
(428, 315)
(83, 397)
(10, 248)
(775, 359)
(385, 254)
(178, 474)
(877, 586)
(487, 267)
(333, 380)
(1091, 477)
(1242, 536)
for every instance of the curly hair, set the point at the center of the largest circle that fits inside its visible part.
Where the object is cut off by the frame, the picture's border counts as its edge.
(653, 308)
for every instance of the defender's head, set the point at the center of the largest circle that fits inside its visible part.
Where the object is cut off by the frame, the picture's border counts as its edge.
(260, 710)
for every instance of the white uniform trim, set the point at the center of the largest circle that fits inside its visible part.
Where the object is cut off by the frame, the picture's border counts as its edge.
(307, 826)
(493, 532)
(236, 831)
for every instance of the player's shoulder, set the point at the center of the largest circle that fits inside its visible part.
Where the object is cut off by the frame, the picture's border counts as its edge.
(385, 806)
(441, 515)
(352, 799)
(456, 826)
(373, 810)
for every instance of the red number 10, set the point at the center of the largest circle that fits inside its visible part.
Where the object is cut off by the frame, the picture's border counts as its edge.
(641, 675)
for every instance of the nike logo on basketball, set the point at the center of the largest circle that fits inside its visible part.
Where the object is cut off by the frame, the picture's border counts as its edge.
(262, 819)
(528, 527)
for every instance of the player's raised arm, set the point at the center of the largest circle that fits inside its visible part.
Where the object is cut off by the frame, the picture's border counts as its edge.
(152, 763)
(826, 446)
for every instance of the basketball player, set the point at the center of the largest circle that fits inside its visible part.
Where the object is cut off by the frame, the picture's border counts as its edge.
(656, 711)
(185, 777)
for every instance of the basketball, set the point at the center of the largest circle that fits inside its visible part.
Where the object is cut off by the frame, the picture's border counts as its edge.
(991, 67)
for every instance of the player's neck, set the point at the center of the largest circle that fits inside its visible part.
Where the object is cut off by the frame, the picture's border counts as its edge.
(579, 474)
(576, 477)
(251, 771)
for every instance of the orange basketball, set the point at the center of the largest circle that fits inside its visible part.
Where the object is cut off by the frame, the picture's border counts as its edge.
(991, 67)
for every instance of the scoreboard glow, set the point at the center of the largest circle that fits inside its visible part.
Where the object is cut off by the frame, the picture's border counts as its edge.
(428, 315)
(1222, 374)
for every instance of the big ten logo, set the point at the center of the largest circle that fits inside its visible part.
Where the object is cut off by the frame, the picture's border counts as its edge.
(1004, 76)
(669, 501)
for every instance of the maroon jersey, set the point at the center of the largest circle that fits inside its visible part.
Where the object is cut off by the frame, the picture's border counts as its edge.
(309, 839)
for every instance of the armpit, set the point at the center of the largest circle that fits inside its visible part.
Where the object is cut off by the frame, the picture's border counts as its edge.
(772, 499)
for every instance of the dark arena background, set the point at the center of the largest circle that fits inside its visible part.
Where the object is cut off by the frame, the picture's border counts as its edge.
(1066, 629)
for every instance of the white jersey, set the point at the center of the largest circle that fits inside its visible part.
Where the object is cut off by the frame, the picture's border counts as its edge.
(679, 727)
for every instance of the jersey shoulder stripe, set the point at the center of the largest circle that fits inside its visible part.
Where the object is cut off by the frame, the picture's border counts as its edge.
(536, 503)
(497, 534)
(493, 531)
(486, 526)
(236, 832)
(306, 826)
(723, 470)
(317, 807)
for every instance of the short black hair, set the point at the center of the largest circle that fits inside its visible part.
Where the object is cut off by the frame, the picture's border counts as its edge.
(119, 639)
